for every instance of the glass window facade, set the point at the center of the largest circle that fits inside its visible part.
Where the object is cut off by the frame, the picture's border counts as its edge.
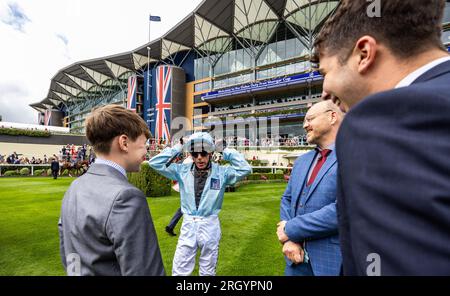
(282, 51)
(235, 80)
(77, 112)
(198, 99)
(201, 86)
(201, 68)
(288, 69)
(233, 61)
(447, 13)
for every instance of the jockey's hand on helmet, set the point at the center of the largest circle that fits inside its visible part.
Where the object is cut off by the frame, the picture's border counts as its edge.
(220, 145)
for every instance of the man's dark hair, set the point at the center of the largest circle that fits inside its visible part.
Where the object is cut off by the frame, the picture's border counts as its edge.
(406, 27)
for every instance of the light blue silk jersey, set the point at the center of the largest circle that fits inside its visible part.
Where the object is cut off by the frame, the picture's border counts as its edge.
(219, 177)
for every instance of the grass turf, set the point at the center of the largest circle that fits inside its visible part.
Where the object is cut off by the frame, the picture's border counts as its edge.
(30, 207)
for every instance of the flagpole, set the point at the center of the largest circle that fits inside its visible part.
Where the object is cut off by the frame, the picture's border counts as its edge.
(149, 75)
(148, 61)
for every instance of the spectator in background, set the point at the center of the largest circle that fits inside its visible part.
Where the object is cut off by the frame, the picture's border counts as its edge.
(67, 154)
(55, 168)
(79, 154)
(73, 158)
(12, 158)
(83, 152)
(63, 152)
(91, 156)
(45, 159)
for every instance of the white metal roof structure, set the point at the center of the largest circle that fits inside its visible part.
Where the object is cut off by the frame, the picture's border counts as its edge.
(209, 29)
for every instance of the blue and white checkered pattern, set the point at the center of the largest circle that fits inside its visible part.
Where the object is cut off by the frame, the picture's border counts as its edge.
(311, 216)
(112, 164)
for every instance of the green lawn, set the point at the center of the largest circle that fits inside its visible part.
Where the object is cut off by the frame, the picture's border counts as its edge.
(29, 211)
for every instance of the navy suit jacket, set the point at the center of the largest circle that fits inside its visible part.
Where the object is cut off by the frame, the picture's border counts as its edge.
(394, 180)
(312, 217)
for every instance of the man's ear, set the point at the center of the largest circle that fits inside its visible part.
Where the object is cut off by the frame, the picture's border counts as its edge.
(124, 142)
(365, 50)
(334, 118)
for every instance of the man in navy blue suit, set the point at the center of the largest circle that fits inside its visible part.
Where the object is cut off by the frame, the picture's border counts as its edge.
(393, 75)
(308, 229)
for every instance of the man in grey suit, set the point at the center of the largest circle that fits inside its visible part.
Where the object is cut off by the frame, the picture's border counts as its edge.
(105, 226)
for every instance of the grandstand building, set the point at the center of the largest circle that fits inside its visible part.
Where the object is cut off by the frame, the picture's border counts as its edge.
(228, 58)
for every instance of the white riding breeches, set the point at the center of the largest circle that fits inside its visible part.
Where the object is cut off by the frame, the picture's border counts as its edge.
(197, 233)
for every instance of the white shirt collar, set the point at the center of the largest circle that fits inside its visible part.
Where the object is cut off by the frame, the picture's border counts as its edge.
(112, 164)
(408, 80)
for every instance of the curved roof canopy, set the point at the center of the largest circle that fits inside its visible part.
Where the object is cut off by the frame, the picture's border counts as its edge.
(209, 28)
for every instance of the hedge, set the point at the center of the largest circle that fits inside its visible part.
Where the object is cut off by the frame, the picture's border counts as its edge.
(18, 168)
(24, 172)
(22, 132)
(150, 182)
(266, 171)
(21, 171)
(38, 173)
(10, 173)
(247, 182)
(258, 177)
(269, 170)
(256, 162)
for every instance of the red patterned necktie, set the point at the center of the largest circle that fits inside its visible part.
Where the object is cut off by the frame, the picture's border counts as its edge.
(322, 158)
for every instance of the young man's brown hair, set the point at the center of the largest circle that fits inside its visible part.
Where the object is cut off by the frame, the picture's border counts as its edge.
(406, 27)
(108, 122)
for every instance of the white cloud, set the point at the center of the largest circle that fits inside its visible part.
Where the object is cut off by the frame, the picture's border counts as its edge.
(13, 15)
(11, 94)
(63, 39)
(56, 34)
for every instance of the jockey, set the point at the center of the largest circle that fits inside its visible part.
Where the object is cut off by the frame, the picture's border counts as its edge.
(202, 185)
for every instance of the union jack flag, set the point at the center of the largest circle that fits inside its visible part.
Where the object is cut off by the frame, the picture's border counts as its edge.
(131, 96)
(47, 117)
(163, 102)
(40, 118)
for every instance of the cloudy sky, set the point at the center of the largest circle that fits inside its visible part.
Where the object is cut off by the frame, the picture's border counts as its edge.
(39, 37)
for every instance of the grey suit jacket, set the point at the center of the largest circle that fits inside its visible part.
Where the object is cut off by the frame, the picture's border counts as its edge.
(106, 228)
